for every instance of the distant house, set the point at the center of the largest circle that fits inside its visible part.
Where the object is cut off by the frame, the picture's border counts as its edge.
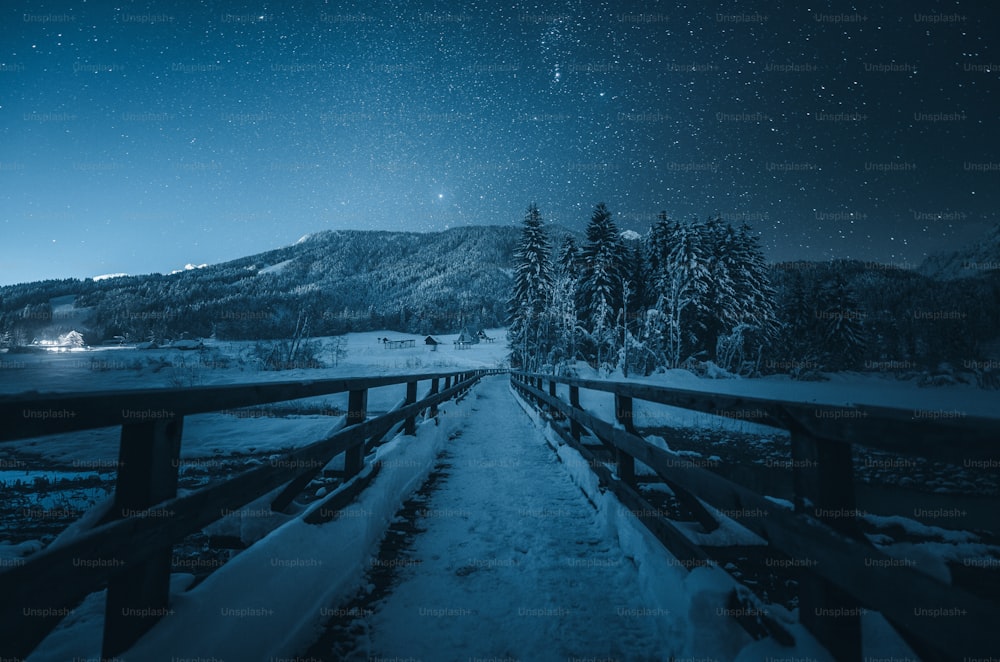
(432, 342)
(481, 334)
(398, 344)
(70, 340)
(466, 339)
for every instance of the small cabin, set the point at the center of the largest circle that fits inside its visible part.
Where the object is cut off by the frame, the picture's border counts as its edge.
(481, 334)
(432, 342)
(398, 344)
(466, 339)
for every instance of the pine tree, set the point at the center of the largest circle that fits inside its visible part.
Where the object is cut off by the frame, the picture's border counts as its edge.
(823, 321)
(656, 323)
(722, 310)
(686, 279)
(563, 320)
(841, 323)
(746, 308)
(600, 287)
(533, 282)
(567, 259)
(567, 268)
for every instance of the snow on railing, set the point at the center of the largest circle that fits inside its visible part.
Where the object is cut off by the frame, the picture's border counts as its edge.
(147, 517)
(846, 574)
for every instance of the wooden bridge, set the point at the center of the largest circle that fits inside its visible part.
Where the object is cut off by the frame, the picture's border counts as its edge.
(848, 575)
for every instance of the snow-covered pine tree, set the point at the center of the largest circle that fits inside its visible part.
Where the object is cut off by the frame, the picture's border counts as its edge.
(656, 323)
(562, 319)
(686, 285)
(533, 280)
(657, 247)
(600, 287)
(723, 310)
(745, 307)
(567, 257)
(567, 268)
(634, 294)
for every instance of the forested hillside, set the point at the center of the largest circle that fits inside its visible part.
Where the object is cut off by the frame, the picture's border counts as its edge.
(333, 281)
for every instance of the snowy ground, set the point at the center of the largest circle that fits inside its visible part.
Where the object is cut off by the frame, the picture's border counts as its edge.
(51, 481)
(510, 561)
(229, 362)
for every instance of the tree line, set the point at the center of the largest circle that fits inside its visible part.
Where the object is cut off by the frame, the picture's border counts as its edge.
(700, 294)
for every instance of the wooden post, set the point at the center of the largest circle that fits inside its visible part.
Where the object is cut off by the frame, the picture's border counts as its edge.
(434, 389)
(823, 477)
(624, 414)
(357, 412)
(575, 428)
(410, 427)
(139, 595)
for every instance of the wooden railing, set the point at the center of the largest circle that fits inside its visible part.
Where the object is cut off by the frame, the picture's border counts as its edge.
(147, 517)
(846, 574)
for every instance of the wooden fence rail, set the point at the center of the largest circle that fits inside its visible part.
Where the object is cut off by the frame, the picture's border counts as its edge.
(130, 549)
(846, 574)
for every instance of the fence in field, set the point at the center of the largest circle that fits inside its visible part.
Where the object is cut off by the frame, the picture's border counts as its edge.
(846, 574)
(39, 592)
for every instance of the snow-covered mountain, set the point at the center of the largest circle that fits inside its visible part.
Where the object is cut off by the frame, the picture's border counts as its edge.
(971, 262)
(341, 280)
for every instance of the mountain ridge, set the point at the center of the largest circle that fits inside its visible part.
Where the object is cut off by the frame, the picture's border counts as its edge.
(340, 280)
(973, 261)
(336, 280)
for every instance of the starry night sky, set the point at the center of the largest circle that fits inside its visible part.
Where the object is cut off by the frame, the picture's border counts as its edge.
(139, 137)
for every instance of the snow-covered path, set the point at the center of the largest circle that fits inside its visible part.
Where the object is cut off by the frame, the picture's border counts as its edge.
(514, 562)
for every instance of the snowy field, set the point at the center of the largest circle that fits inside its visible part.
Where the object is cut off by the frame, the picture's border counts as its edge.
(224, 362)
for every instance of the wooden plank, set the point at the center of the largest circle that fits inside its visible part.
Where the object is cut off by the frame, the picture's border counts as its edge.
(139, 594)
(357, 412)
(945, 435)
(909, 598)
(38, 593)
(623, 414)
(686, 499)
(433, 410)
(35, 414)
(333, 504)
(295, 486)
(686, 553)
(823, 476)
(574, 400)
(411, 397)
